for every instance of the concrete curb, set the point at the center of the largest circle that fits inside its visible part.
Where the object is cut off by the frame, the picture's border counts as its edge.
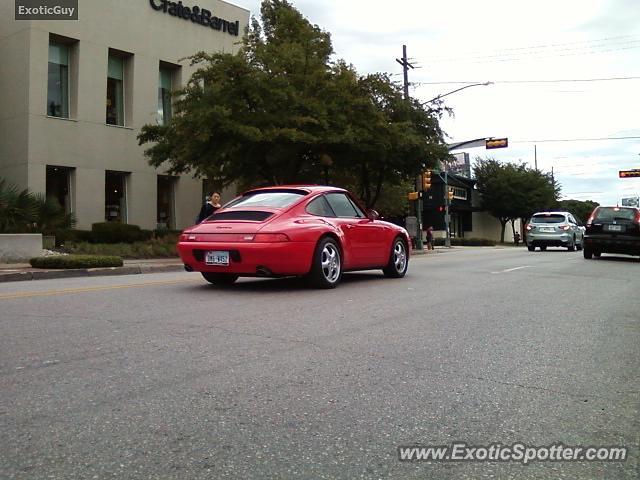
(88, 272)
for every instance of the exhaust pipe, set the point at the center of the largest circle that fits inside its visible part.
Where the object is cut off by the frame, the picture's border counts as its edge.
(263, 271)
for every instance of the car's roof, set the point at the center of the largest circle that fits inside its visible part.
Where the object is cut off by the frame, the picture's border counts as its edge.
(308, 188)
(552, 213)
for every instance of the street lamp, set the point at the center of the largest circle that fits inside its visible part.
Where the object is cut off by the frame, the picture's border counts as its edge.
(447, 203)
(458, 89)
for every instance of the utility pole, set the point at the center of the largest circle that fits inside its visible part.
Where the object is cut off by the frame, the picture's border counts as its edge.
(404, 61)
(447, 217)
(535, 156)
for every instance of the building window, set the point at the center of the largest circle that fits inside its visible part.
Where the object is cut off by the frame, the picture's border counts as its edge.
(115, 197)
(459, 193)
(166, 202)
(59, 186)
(164, 96)
(58, 81)
(115, 90)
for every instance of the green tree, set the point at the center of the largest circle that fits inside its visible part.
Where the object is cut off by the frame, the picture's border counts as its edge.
(580, 209)
(510, 191)
(280, 111)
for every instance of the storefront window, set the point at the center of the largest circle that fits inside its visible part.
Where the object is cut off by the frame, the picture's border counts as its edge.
(58, 186)
(164, 96)
(115, 91)
(58, 81)
(115, 197)
(166, 202)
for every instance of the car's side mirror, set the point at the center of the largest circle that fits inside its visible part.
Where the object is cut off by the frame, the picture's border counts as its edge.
(372, 215)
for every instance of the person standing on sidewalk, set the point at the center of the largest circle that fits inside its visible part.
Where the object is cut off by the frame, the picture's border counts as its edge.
(430, 238)
(210, 207)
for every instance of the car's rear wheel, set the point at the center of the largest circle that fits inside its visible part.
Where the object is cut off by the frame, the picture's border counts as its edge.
(219, 278)
(572, 247)
(587, 253)
(580, 245)
(531, 248)
(398, 261)
(597, 254)
(326, 267)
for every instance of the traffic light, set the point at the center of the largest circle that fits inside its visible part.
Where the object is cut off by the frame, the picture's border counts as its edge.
(413, 196)
(426, 180)
(629, 173)
(450, 194)
(496, 143)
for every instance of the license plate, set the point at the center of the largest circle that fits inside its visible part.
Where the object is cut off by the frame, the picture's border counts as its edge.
(217, 257)
(614, 228)
(547, 229)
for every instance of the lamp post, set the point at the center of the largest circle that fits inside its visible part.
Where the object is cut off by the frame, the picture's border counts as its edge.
(447, 202)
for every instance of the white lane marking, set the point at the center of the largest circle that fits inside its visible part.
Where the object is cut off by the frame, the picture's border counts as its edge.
(513, 269)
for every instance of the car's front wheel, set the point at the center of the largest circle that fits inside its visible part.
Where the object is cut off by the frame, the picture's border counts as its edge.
(219, 278)
(398, 261)
(531, 248)
(326, 267)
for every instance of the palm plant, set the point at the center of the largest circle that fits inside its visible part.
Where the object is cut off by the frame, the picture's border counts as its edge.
(18, 209)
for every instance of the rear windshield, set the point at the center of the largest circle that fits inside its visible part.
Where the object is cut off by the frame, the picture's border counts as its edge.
(547, 218)
(267, 199)
(610, 214)
(255, 216)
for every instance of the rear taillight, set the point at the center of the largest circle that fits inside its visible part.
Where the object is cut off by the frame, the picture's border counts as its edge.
(186, 237)
(592, 217)
(564, 227)
(529, 227)
(267, 238)
(638, 217)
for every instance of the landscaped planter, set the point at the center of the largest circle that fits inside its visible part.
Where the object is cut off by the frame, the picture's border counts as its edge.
(18, 247)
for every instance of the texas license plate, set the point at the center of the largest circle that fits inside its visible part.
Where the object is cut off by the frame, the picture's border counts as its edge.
(614, 228)
(217, 257)
(547, 229)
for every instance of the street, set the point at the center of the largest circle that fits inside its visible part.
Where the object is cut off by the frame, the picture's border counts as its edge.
(166, 376)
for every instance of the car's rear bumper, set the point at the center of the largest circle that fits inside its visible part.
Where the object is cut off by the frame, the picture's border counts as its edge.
(549, 240)
(251, 259)
(613, 244)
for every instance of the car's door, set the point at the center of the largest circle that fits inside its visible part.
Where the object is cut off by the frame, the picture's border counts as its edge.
(363, 237)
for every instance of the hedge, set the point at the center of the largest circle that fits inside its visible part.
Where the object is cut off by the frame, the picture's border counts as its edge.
(76, 261)
(467, 242)
(115, 232)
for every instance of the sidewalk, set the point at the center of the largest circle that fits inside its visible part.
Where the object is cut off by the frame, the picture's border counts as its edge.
(17, 272)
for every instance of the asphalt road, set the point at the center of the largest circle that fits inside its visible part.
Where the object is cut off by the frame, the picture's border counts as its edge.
(164, 376)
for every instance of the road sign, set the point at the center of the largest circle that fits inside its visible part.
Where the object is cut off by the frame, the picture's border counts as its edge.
(631, 202)
(496, 143)
(629, 173)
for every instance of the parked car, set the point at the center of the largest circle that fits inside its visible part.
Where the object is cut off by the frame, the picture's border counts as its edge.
(613, 230)
(311, 231)
(553, 229)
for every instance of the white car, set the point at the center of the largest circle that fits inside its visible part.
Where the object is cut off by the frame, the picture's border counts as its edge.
(554, 229)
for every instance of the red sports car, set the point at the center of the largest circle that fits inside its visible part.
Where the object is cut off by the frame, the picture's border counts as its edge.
(312, 231)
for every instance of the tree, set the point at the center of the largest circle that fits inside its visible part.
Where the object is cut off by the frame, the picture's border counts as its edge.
(580, 209)
(510, 191)
(280, 111)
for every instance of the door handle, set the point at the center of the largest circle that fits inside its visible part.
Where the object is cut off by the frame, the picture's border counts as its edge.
(349, 226)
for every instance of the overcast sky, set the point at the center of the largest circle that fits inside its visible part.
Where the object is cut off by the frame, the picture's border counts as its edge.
(513, 44)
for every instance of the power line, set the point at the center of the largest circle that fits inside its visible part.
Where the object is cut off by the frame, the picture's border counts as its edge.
(575, 139)
(569, 80)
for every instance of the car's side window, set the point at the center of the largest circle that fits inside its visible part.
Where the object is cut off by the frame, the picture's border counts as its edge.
(320, 207)
(343, 206)
(571, 219)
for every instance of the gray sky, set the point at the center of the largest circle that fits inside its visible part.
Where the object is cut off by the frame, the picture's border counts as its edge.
(519, 46)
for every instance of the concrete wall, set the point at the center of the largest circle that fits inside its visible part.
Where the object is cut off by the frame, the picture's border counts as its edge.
(486, 226)
(20, 246)
(30, 140)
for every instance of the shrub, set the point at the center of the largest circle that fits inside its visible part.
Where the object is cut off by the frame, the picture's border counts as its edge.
(115, 232)
(76, 261)
(467, 242)
(64, 236)
(151, 249)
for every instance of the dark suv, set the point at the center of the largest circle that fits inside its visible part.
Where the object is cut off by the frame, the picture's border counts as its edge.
(612, 230)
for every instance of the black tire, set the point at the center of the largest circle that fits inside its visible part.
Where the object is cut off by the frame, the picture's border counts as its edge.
(219, 278)
(543, 248)
(398, 261)
(597, 254)
(579, 246)
(587, 253)
(326, 265)
(572, 247)
(531, 248)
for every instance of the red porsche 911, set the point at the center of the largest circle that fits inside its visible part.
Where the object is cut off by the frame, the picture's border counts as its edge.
(312, 231)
